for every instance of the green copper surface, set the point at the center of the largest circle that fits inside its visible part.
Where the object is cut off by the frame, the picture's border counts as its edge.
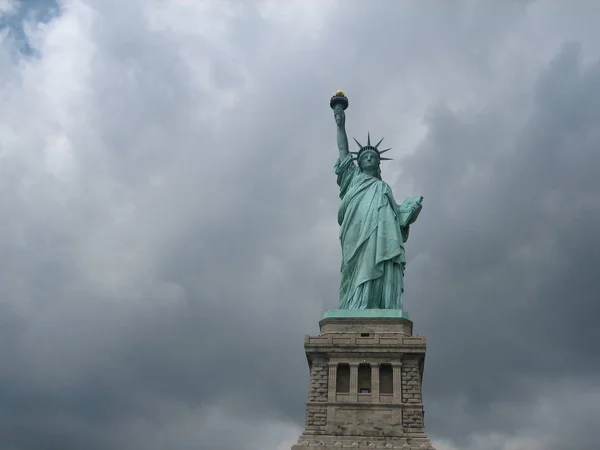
(345, 313)
(373, 227)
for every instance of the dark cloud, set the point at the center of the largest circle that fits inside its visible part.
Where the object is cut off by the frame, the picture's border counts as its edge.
(168, 210)
(513, 284)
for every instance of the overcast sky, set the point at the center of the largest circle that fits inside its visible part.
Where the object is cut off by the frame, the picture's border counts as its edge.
(168, 214)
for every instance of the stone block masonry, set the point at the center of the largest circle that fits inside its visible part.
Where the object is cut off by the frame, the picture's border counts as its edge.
(365, 386)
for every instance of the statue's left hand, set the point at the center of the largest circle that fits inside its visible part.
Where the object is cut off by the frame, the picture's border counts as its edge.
(415, 209)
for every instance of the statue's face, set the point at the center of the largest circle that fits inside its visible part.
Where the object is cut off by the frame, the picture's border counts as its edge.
(369, 160)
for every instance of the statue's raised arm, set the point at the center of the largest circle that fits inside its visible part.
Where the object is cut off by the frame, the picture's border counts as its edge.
(339, 103)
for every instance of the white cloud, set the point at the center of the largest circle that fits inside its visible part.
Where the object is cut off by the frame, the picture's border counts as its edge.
(8, 7)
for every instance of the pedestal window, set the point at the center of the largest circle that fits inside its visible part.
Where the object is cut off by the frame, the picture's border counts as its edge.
(386, 379)
(343, 379)
(364, 379)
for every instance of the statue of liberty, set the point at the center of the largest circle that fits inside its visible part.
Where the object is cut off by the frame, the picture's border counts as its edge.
(373, 227)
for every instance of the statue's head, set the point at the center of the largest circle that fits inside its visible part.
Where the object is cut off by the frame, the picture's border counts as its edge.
(368, 161)
(369, 157)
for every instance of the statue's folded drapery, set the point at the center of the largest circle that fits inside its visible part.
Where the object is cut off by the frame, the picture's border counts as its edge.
(373, 229)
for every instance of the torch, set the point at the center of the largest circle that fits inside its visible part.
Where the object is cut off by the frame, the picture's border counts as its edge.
(339, 98)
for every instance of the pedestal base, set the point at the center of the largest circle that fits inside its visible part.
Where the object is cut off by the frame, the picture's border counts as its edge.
(365, 383)
(362, 443)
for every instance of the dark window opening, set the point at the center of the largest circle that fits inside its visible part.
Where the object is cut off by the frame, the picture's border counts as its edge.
(343, 378)
(364, 378)
(386, 379)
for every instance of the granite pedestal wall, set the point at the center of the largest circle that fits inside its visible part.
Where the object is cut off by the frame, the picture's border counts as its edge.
(365, 386)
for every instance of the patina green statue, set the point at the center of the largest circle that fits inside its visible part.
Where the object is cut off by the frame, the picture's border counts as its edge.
(373, 227)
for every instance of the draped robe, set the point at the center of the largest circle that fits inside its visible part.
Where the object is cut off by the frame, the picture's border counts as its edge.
(373, 229)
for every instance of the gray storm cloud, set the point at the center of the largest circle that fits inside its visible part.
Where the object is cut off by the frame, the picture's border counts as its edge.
(168, 205)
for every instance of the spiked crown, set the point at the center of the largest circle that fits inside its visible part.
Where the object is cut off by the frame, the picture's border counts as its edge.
(369, 147)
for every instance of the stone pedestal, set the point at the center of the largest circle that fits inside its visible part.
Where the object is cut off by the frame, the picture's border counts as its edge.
(365, 385)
